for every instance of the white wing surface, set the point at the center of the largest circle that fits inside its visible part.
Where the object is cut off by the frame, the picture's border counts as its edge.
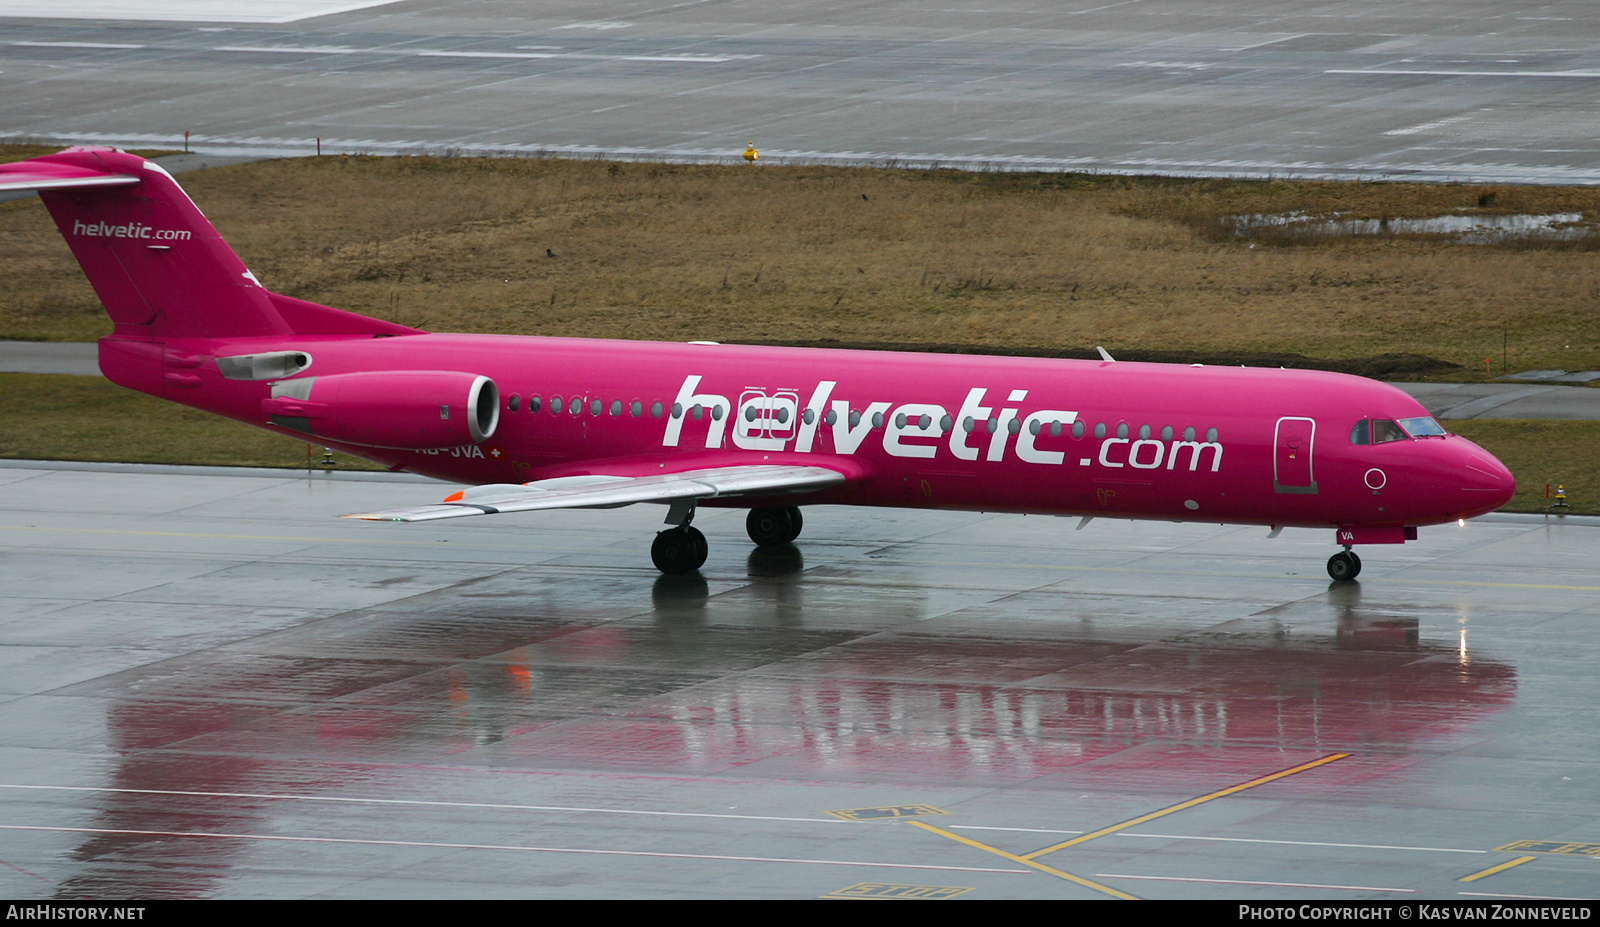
(600, 491)
(58, 177)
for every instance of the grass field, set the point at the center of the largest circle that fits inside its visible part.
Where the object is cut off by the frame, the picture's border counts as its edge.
(1034, 262)
(1028, 263)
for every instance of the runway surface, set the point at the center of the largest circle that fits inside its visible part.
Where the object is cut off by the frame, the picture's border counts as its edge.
(213, 688)
(1435, 89)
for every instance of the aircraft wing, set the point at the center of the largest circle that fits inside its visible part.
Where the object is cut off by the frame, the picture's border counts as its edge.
(602, 491)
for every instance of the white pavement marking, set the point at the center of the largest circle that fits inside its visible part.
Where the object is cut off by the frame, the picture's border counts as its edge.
(1343, 888)
(76, 45)
(1431, 72)
(424, 802)
(1525, 897)
(1304, 843)
(290, 49)
(217, 11)
(1294, 843)
(515, 848)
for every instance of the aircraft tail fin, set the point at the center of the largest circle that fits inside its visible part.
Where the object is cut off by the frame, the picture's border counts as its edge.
(159, 267)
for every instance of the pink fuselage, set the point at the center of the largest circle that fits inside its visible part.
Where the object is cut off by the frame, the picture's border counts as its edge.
(1281, 451)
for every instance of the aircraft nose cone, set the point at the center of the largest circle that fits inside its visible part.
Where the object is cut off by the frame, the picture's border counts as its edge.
(1486, 484)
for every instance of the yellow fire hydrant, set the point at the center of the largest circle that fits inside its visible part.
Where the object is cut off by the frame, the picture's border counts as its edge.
(750, 153)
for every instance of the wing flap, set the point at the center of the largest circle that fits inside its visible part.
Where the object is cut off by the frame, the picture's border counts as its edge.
(602, 491)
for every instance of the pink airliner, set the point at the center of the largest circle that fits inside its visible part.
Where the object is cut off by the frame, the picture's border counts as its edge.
(545, 423)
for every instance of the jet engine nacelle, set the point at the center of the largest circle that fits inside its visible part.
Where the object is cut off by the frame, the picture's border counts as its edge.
(409, 409)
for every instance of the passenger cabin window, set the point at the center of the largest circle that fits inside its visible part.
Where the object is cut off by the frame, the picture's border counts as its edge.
(533, 403)
(1384, 431)
(555, 405)
(514, 402)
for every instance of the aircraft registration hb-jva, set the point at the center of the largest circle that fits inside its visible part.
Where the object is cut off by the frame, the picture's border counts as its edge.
(544, 423)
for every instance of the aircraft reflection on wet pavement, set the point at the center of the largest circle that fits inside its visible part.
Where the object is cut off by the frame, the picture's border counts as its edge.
(470, 678)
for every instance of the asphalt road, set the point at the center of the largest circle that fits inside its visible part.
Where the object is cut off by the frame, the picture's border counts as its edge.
(1431, 89)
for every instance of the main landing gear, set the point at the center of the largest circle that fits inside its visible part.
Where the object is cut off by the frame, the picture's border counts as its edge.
(1344, 565)
(774, 526)
(683, 549)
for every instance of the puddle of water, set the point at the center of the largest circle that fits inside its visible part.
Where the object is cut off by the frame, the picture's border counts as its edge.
(1478, 230)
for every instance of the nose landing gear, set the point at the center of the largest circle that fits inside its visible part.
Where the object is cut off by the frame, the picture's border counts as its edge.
(681, 548)
(1344, 565)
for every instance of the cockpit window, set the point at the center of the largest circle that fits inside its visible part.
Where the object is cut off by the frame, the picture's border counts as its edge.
(1421, 427)
(1362, 433)
(1384, 431)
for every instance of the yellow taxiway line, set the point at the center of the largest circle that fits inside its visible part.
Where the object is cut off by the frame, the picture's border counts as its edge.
(1182, 806)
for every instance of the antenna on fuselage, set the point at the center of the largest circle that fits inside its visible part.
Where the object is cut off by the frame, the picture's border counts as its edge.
(1105, 355)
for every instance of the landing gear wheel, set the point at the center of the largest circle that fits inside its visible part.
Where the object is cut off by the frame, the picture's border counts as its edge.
(679, 550)
(1344, 565)
(771, 527)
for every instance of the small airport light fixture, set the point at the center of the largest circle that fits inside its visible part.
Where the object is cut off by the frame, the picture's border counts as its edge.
(750, 153)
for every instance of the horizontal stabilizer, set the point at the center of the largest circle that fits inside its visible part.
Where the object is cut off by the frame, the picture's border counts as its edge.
(601, 491)
(42, 175)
